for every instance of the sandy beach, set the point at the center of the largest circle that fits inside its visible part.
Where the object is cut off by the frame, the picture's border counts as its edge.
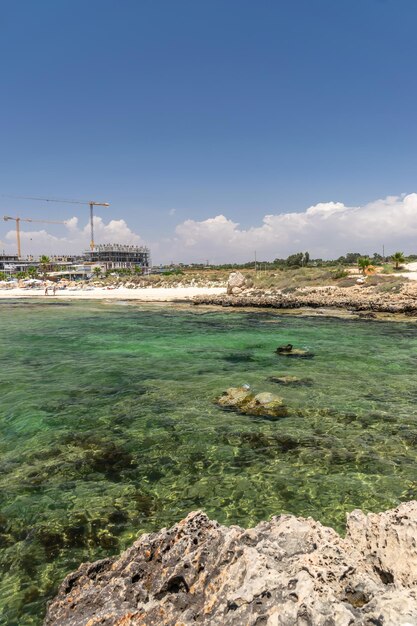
(157, 294)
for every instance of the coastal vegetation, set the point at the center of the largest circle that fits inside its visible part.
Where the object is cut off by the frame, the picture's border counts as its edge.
(262, 280)
(44, 265)
(363, 263)
(299, 269)
(398, 259)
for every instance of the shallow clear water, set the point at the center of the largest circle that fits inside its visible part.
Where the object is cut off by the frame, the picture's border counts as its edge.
(108, 428)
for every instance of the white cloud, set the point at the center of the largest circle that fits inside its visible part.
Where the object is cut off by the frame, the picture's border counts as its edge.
(116, 231)
(72, 224)
(326, 208)
(326, 230)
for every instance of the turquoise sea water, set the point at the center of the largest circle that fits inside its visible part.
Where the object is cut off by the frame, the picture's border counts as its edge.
(108, 428)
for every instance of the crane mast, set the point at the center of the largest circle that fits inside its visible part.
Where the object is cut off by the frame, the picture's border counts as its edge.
(25, 219)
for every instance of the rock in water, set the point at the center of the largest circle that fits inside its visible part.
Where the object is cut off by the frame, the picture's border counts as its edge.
(284, 349)
(235, 397)
(267, 405)
(286, 572)
(242, 400)
(289, 350)
(290, 380)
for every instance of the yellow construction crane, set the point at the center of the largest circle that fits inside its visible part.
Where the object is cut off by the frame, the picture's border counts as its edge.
(91, 203)
(25, 219)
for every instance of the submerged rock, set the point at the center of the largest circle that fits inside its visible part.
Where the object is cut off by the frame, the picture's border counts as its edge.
(290, 380)
(242, 400)
(235, 397)
(283, 572)
(289, 350)
(267, 404)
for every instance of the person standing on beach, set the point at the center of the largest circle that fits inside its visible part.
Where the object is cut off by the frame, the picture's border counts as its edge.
(46, 289)
(54, 289)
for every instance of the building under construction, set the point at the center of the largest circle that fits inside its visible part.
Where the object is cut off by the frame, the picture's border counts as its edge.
(118, 256)
(8, 261)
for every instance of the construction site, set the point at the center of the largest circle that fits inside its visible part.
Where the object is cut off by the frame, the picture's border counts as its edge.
(105, 256)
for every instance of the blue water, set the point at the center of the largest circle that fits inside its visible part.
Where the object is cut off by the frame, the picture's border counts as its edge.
(109, 428)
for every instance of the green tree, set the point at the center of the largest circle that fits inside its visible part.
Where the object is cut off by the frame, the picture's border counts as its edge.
(32, 271)
(3, 276)
(363, 263)
(398, 258)
(97, 271)
(295, 260)
(352, 257)
(45, 264)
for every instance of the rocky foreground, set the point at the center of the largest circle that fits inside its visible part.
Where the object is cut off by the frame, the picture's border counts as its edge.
(289, 571)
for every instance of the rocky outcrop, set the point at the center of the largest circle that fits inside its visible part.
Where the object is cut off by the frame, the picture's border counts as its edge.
(358, 298)
(242, 400)
(285, 572)
(236, 283)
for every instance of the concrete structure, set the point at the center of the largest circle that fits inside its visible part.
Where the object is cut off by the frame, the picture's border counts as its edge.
(106, 257)
(117, 256)
(7, 261)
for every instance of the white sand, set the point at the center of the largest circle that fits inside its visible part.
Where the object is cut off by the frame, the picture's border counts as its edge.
(165, 294)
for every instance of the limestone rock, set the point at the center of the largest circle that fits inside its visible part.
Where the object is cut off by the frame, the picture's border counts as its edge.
(235, 281)
(290, 380)
(242, 400)
(235, 397)
(266, 404)
(368, 298)
(285, 572)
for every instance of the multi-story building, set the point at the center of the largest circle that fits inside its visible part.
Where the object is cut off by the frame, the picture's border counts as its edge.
(118, 256)
(8, 262)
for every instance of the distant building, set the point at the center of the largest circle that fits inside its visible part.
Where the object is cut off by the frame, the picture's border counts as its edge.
(8, 262)
(117, 256)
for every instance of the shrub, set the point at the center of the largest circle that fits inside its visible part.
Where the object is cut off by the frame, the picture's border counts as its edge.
(340, 273)
(173, 273)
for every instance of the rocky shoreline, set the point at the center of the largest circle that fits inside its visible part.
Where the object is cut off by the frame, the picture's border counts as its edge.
(283, 572)
(357, 299)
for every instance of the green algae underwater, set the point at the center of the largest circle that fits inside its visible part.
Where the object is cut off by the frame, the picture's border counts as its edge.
(109, 429)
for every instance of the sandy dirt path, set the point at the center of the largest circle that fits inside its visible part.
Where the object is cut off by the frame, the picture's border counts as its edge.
(166, 294)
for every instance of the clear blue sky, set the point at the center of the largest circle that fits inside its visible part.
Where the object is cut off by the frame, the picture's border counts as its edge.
(241, 107)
